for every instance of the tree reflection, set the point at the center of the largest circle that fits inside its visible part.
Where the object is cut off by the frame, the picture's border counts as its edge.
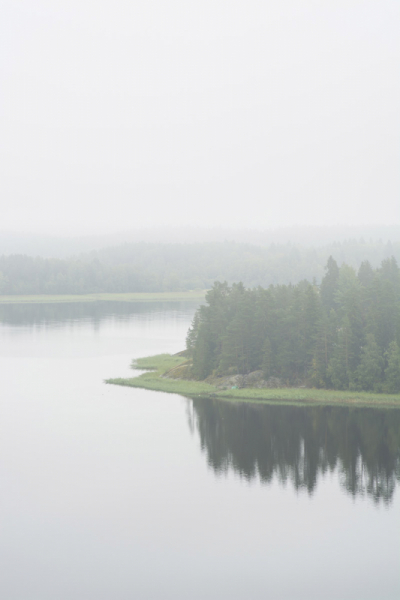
(299, 444)
(95, 312)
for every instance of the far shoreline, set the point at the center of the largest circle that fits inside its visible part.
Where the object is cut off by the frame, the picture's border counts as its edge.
(190, 296)
(156, 367)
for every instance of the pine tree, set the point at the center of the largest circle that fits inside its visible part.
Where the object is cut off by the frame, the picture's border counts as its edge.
(326, 336)
(392, 371)
(203, 354)
(236, 351)
(390, 271)
(368, 374)
(329, 284)
(339, 364)
(348, 298)
(192, 333)
(266, 360)
(312, 315)
(366, 274)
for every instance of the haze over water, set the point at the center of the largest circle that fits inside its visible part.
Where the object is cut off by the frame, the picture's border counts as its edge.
(111, 492)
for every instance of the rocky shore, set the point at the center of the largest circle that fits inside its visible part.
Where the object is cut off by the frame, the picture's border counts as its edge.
(255, 379)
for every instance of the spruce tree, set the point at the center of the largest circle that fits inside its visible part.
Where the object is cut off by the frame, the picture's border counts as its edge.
(368, 374)
(392, 371)
(326, 337)
(348, 298)
(366, 274)
(236, 350)
(339, 364)
(266, 359)
(329, 284)
(192, 333)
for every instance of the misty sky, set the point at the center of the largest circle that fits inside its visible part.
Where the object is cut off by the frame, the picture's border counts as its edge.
(117, 115)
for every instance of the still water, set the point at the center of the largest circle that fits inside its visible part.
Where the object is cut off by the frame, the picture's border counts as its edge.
(115, 493)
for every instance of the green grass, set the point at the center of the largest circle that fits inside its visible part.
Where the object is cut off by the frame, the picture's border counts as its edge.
(159, 364)
(153, 380)
(196, 295)
(302, 395)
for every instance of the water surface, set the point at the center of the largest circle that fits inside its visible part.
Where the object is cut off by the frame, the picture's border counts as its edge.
(116, 493)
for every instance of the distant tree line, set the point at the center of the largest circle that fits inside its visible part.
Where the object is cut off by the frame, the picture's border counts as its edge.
(147, 267)
(343, 334)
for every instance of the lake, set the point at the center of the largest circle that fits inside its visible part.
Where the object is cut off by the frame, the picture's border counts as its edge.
(119, 493)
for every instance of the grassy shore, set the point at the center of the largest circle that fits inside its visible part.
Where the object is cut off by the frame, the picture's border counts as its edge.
(195, 296)
(157, 366)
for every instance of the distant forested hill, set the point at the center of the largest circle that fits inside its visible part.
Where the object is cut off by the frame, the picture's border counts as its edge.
(150, 267)
(343, 334)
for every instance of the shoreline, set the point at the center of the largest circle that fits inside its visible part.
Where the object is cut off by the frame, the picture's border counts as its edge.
(195, 296)
(154, 378)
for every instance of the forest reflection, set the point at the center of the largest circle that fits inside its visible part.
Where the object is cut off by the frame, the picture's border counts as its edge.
(94, 312)
(299, 444)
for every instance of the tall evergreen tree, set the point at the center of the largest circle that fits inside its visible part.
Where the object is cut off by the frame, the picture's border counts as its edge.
(368, 374)
(392, 371)
(339, 364)
(266, 358)
(203, 353)
(348, 299)
(192, 333)
(236, 351)
(366, 274)
(326, 337)
(329, 284)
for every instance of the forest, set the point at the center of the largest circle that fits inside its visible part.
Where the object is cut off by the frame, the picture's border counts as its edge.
(343, 334)
(156, 267)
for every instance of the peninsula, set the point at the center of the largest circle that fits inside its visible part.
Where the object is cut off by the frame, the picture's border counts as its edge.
(337, 342)
(166, 373)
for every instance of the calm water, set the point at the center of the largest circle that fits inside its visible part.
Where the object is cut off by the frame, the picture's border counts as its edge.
(115, 493)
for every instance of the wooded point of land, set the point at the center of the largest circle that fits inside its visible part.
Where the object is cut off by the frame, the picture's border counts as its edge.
(157, 378)
(343, 334)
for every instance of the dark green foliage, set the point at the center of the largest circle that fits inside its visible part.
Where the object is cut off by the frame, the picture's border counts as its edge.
(368, 374)
(366, 274)
(326, 328)
(348, 304)
(329, 284)
(342, 335)
(339, 368)
(192, 333)
(392, 371)
(266, 358)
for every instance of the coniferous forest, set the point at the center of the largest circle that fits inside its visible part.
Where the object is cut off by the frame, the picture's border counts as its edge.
(343, 334)
(148, 267)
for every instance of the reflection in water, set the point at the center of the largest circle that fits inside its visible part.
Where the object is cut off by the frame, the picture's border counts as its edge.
(94, 312)
(299, 444)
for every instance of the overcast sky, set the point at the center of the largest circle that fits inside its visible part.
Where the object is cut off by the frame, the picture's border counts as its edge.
(244, 114)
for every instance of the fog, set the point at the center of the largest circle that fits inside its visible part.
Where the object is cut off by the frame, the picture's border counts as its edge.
(120, 116)
(62, 246)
